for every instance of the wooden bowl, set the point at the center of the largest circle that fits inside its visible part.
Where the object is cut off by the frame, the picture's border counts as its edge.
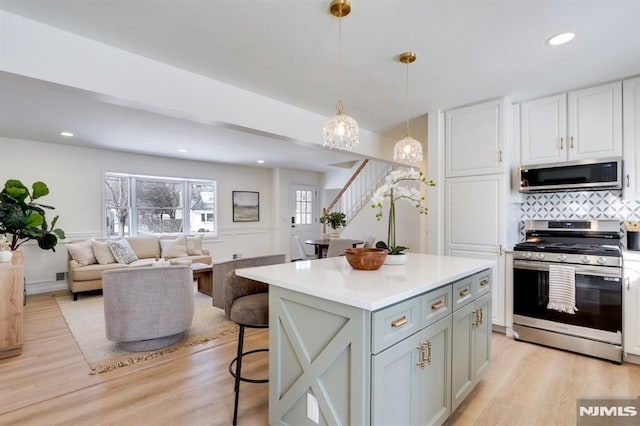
(365, 259)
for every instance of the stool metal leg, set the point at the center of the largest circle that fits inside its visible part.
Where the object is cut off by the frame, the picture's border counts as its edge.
(238, 373)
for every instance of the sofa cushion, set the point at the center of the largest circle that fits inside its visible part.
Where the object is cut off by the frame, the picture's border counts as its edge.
(122, 251)
(94, 272)
(194, 245)
(102, 252)
(82, 252)
(145, 247)
(173, 248)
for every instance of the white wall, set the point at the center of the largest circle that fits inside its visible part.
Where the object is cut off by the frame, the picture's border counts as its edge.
(74, 176)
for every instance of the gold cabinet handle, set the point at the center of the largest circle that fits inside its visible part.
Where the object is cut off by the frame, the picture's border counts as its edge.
(571, 140)
(429, 352)
(421, 355)
(399, 322)
(484, 283)
(476, 320)
(439, 304)
(481, 320)
(628, 179)
(500, 156)
(561, 143)
(464, 292)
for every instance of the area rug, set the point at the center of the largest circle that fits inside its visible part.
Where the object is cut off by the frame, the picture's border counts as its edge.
(85, 318)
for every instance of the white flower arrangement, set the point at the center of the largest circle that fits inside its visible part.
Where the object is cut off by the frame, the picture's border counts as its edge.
(394, 190)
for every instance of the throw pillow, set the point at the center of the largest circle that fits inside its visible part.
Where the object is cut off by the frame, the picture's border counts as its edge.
(102, 252)
(82, 252)
(122, 251)
(194, 245)
(173, 248)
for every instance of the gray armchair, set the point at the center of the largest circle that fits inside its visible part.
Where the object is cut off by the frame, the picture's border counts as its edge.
(147, 308)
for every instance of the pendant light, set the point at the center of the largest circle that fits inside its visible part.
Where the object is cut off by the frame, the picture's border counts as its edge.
(407, 150)
(340, 131)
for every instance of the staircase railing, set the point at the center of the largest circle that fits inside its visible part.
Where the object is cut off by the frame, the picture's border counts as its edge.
(359, 189)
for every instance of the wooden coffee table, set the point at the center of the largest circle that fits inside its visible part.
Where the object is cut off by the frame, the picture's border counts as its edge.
(203, 273)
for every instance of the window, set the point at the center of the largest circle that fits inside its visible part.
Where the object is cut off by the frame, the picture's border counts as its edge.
(304, 207)
(139, 205)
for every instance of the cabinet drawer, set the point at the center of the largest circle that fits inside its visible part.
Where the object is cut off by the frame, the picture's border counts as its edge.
(482, 283)
(392, 324)
(435, 305)
(464, 291)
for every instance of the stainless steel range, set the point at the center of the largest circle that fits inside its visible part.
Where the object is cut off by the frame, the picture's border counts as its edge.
(590, 251)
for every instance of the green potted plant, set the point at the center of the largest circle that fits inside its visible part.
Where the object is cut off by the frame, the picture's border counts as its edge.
(335, 220)
(24, 219)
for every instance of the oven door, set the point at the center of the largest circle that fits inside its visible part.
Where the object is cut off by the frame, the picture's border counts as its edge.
(598, 299)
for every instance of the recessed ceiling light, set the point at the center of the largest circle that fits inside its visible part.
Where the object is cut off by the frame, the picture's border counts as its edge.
(182, 150)
(66, 134)
(560, 39)
(260, 161)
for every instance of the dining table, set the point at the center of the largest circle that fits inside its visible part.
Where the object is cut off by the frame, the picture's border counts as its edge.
(322, 245)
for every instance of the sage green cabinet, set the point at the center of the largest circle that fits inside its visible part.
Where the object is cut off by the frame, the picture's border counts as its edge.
(411, 380)
(471, 347)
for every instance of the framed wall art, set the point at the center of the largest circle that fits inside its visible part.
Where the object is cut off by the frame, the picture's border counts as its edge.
(246, 206)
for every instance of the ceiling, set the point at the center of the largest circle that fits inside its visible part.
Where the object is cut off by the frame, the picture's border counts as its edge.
(468, 50)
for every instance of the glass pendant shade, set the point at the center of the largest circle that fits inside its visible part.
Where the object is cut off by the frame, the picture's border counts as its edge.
(340, 131)
(407, 150)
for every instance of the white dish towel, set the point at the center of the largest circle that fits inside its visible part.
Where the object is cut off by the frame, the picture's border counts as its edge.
(562, 289)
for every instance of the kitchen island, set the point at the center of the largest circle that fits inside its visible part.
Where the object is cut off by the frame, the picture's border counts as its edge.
(375, 347)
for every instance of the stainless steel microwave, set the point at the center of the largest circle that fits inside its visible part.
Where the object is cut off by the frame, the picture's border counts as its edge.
(574, 175)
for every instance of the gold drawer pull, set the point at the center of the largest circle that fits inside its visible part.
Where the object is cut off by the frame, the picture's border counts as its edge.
(464, 292)
(399, 322)
(484, 283)
(439, 304)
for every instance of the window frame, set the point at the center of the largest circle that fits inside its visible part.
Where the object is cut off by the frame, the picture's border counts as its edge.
(187, 186)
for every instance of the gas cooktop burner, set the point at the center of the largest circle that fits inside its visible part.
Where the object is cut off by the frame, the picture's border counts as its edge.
(573, 248)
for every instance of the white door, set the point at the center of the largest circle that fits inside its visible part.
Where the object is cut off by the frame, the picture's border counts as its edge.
(302, 218)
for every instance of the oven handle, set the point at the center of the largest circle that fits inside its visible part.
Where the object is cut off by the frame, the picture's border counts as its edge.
(600, 271)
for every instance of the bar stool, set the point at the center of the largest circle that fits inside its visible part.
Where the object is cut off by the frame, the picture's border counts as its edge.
(246, 302)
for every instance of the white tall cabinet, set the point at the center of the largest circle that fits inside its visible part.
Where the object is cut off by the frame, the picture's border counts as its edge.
(579, 125)
(631, 304)
(477, 186)
(631, 138)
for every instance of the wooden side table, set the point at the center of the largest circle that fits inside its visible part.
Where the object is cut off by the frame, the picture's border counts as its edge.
(11, 306)
(203, 273)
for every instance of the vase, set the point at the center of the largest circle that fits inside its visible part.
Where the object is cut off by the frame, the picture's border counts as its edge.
(396, 259)
(5, 256)
(334, 235)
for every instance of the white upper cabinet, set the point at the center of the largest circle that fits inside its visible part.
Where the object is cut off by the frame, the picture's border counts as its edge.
(581, 125)
(631, 166)
(474, 139)
(543, 127)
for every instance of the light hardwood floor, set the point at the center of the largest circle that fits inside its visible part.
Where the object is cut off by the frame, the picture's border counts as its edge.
(49, 383)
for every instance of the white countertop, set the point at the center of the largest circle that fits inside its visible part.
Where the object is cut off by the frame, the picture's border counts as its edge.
(333, 279)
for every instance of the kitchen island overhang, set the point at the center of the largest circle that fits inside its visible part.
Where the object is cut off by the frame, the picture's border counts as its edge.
(328, 340)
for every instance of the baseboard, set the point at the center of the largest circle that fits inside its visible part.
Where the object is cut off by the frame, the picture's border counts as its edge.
(634, 359)
(499, 328)
(46, 287)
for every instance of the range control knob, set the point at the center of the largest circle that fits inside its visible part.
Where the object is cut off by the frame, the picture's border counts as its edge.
(527, 255)
(562, 258)
(601, 260)
(540, 256)
(585, 259)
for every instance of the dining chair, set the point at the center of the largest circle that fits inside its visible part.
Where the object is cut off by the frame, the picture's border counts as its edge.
(369, 242)
(337, 246)
(301, 251)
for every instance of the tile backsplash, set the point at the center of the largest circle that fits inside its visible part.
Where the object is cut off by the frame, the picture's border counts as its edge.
(581, 205)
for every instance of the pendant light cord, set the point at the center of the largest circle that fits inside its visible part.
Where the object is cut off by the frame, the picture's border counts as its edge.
(339, 105)
(408, 132)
